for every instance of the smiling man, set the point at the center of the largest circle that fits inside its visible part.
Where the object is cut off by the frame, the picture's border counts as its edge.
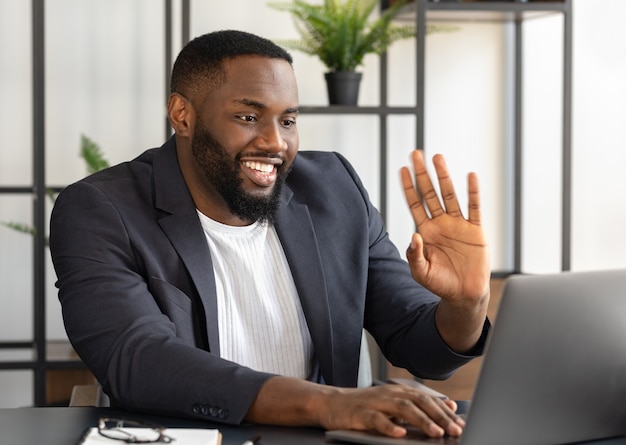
(226, 276)
(243, 138)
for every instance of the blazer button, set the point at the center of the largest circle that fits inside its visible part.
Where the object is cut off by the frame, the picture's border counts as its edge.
(206, 410)
(223, 413)
(214, 411)
(196, 409)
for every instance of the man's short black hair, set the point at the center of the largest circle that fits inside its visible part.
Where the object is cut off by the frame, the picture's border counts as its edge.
(198, 67)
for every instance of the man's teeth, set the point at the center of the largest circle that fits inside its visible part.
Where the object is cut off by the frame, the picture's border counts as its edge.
(260, 166)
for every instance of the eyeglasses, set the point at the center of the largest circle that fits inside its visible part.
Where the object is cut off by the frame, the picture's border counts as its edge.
(130, 431)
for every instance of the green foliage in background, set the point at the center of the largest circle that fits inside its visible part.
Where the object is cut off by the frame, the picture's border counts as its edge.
(341, 33)
(94, 161)
(92, 155)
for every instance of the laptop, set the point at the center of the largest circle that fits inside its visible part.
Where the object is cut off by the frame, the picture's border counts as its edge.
(554, 369)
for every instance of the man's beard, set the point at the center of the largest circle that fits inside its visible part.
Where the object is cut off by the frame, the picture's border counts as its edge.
(223, 173)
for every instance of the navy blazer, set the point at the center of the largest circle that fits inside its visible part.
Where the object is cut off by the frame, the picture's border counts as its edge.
(138, 295)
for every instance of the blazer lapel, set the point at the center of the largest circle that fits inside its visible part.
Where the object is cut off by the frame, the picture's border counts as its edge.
(181, 224)
(297, 235)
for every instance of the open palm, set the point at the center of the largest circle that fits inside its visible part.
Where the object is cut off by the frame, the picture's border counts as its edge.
(449, 254)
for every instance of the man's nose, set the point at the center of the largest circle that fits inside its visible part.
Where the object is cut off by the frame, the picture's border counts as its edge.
(271, 139)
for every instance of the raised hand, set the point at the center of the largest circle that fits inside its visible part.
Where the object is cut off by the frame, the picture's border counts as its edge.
(449, 254)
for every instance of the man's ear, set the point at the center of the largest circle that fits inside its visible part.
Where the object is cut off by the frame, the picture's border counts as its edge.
(181, 115)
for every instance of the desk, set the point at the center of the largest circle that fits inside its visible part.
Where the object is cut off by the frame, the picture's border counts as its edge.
(64, 426)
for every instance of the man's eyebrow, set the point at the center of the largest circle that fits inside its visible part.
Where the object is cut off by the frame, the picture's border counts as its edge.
(250, 103)
(261, 106)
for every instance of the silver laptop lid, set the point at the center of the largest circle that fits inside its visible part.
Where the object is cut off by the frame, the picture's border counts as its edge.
(555, 365)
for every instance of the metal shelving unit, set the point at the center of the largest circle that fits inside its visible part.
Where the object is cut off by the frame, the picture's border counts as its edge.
(38, 354)
(515, 12)
(35, 349)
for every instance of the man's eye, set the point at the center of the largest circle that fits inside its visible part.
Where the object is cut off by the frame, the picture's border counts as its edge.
(248, 118)
(289, 122)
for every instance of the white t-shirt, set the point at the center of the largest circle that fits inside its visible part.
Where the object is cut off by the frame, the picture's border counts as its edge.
(261, 322)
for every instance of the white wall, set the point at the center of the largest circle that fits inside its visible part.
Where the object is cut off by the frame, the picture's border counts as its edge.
(598, 142)
(105, 75)
(599, 211)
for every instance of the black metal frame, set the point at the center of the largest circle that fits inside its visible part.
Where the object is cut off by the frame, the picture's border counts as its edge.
(423, 10)
(41, 363)
(39, 204)
(516, 11)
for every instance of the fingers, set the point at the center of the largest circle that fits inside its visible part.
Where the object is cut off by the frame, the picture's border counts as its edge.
(450, 202)
(474, 214)
(425, 185)
(416, 257)
(378, 407)
(432, 415)
(383, 424)
(413, 200)
(422, 197)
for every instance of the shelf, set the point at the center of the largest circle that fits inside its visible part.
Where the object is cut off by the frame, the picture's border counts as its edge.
(17, 355)
(23, 355)
(484, 11)
(16, 190)
(348, 109)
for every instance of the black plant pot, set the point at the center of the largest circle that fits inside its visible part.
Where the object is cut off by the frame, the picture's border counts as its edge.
(343, 87)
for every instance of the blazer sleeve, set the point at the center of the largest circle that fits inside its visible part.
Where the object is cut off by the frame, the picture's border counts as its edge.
(125, 305)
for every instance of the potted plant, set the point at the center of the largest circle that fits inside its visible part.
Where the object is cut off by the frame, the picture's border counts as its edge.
(341, 33)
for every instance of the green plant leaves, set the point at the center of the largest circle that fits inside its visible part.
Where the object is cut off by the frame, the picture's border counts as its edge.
(94, 161)
(340, 32)
(92, 155)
